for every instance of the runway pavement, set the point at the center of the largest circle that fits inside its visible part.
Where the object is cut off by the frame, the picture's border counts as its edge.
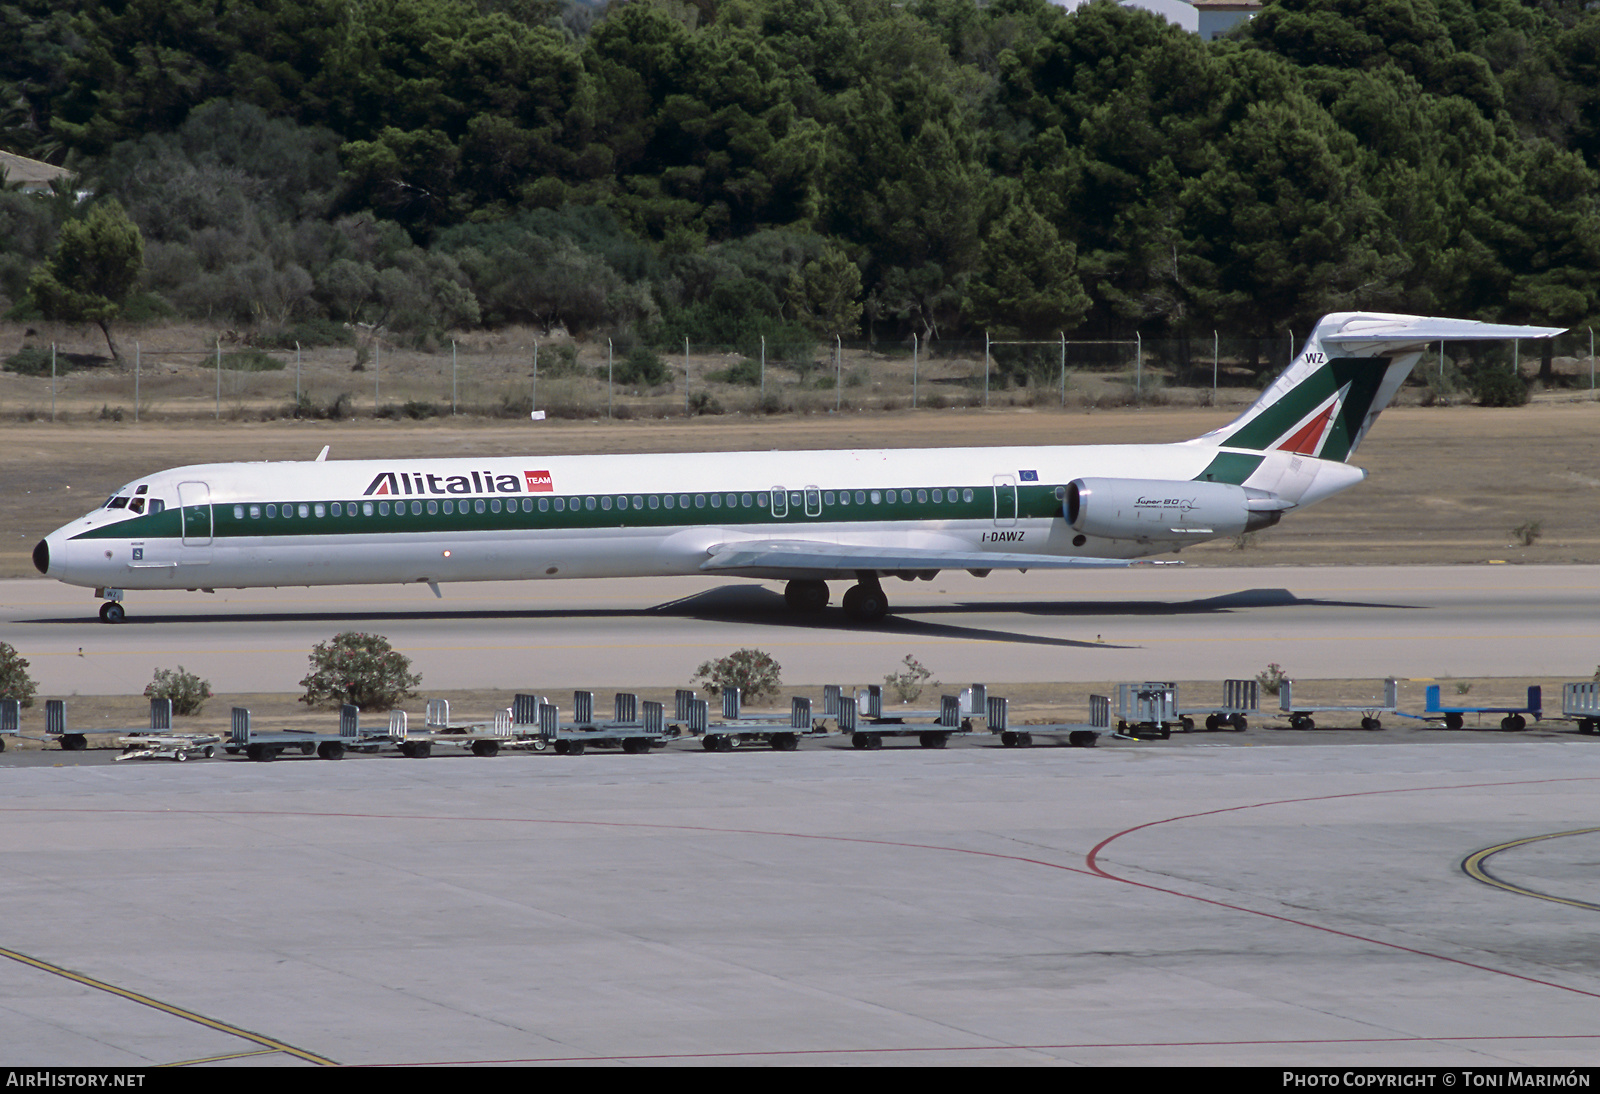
(1144, 623)
(1176, 904)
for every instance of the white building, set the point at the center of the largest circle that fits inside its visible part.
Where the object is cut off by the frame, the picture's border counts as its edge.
(1207, 18)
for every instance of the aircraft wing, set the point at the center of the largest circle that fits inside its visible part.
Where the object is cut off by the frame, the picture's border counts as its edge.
(812, 556)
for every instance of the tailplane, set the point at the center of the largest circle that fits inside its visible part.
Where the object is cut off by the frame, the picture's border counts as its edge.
(1323, 404)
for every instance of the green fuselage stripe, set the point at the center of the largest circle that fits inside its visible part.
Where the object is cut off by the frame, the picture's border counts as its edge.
(1033, 501)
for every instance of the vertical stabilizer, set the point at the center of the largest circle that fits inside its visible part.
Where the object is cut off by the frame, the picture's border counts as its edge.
(1323, 404)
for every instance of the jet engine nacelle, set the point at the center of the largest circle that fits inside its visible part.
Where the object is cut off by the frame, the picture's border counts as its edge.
(1165, 509)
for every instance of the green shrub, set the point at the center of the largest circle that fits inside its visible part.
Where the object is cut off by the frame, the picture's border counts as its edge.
(1497, 387)
(15, 683)
(642, 367)
(186, 690)
(34, 361)
(250, 360)
(753, 672)
(745, 371)
(358, 668)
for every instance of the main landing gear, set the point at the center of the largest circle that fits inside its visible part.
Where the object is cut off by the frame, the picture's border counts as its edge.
(864, 602)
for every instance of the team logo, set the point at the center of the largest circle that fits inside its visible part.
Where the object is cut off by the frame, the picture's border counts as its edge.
(539, 482)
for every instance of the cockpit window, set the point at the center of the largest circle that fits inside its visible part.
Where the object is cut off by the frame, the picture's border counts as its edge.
(117, 503)
(137, 505)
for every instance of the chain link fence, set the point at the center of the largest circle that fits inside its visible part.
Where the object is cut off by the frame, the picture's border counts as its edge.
(65, 375)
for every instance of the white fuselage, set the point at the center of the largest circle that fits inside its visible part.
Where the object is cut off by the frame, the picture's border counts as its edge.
(380, 521)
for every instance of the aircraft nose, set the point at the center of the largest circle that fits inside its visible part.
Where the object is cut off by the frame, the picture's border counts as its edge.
(41, 557)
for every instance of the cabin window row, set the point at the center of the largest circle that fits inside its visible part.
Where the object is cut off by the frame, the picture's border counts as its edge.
(591, 503)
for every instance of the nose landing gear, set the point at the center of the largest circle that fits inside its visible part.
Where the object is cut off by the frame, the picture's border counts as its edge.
(111, 611)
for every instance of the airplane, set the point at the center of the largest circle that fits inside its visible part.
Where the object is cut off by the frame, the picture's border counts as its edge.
(804, 518)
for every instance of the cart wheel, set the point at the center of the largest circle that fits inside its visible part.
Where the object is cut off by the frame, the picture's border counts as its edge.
(858, 740)
(1187, 723)
(180, 755)
(210, 752)
(538, 744)
(1454, 721)
(1024, 740)
(1008, 739)
(708, 743)
(1212, 723)
(331, 750)
(1240, 723)
(563, 747)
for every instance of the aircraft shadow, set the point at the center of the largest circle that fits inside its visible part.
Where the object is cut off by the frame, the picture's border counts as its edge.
(756, 605)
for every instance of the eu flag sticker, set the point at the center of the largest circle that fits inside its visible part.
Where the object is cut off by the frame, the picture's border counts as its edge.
(1028, 476)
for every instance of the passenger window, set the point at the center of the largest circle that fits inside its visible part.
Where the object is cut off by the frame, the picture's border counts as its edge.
(238, 512)
(477, 506)
(319, 510)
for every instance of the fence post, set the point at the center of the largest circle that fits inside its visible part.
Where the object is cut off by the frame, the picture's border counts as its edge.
(1138, 366)
(686, 376)
(986, 368)
(1063, 367)
(52, 381)
(533, 395)
(763, 367)
(297, 374)
(1215, 346)
(609, 377)
(914, 347)
(219, 378)
(136, 362)
(454, 374)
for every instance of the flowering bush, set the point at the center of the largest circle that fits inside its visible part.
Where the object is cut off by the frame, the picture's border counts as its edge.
(358, 668)
(15, 683)
(186, 690)
(1273, 679)
(908, 683)
(753, 672)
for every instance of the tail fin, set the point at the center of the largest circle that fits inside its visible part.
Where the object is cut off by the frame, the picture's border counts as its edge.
(1323, 404)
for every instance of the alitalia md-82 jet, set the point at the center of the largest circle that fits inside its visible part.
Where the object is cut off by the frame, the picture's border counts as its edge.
(805, 518)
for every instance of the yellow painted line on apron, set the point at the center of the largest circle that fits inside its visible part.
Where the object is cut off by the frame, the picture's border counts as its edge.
(268, 1043)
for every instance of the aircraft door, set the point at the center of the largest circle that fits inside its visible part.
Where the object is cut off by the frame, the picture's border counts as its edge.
(780, 502)
(1005, 501)
(194, 498)
(813, 501)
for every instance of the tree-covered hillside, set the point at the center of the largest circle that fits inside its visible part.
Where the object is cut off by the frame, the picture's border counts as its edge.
(728, 168)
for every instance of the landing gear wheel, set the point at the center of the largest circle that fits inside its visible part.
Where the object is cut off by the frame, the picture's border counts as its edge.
(806, 595)
(866, 603)
(111, 612)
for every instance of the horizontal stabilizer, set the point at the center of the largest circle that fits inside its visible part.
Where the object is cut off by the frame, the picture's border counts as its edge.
(781, 556)
(1399, 331)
